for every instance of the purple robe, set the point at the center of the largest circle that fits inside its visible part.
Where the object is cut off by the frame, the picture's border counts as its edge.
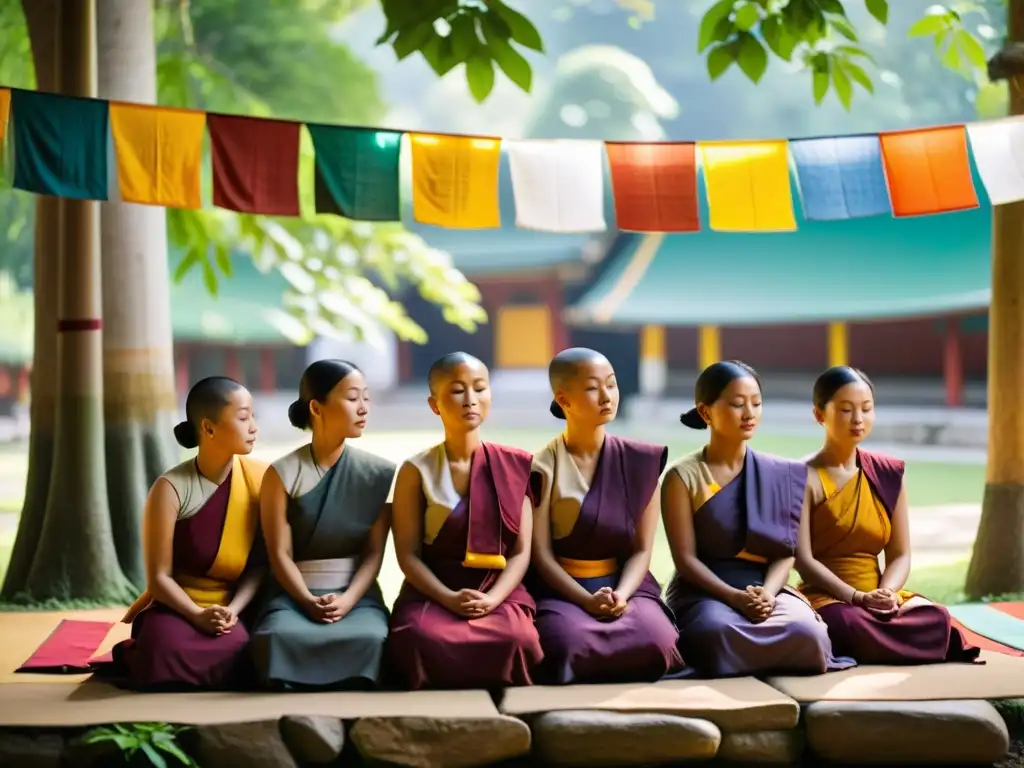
(640, 646)
(918, 633)
(431, 647)
(757, 515)
(166, 651)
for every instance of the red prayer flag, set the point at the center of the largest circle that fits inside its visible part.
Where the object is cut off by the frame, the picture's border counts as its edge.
(255, 164)
(655, 187)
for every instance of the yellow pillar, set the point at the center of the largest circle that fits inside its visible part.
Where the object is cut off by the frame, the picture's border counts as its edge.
(838, 345)
(709, 346)
(652, 342)
(653, 360)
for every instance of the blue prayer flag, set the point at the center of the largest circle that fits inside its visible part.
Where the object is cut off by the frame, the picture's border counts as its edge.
(841, 178)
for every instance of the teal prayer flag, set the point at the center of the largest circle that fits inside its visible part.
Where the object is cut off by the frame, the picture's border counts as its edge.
(357, 172)
(60, 145)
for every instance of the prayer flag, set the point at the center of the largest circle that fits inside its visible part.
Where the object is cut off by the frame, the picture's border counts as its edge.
(928, 171)
(60, 145)
(356, 172)
(5, 111)
(841, 178)
(748, 186)
(455, 181)
(159, 154)
(998, 147)
(255, 164)
(655, 187)
(558, 185)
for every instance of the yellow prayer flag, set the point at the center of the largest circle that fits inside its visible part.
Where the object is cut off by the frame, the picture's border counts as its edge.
(748, 186)
(5, 111)
(159, 154)
(455, 181)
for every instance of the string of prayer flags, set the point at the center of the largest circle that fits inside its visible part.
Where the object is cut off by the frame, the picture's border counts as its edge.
(159, 154)
(356, 172)
(60, 145)
(929, 171)
(998, 148)
(841, 178)
(255, 164)
(655, 187)
(558, 185)
(748, 186)
(455, 181)
(5, 111)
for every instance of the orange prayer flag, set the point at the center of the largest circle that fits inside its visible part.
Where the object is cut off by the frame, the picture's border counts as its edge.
(455, 181)
(655, 187)
(5, 111)
(928, 171)
(159, 154)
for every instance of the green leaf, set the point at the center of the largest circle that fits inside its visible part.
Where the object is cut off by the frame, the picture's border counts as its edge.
(971, 48)
(464, 40)
(859, 76)
(853, 51)
(189, 260)
(777, 37)
(438, 54)
(709, 25)
(222, 254)
(832, 6)
(411, 39)
(154, 757)
(172, 748)
(209, 277)
(523, 31)
(842, 86)
(480, 76)
(879, 9)
(752, 58)
(720, 58)
(514, 65)
(844, 28)
(819, 84)
(951, 57)
(929, 25)
(746, 17)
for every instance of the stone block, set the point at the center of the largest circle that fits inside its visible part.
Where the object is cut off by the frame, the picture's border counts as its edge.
(254, 745)
(423, 742)
(318, 739)
(771, 747)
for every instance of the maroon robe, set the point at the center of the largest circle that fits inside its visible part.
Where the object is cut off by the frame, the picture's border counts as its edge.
(430, 647)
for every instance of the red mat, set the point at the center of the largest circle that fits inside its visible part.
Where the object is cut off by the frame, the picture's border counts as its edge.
(70, 649)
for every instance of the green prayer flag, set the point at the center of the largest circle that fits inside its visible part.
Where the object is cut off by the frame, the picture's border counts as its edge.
(357, 172)
(60, 145)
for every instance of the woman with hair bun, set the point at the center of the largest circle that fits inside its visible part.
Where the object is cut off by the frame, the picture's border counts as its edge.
(859, 509)
(596, 506)
(732, 516)
(326, 518)
(203, 566)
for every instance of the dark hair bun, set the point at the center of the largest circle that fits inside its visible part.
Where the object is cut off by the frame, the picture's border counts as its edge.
(298, 414)
(185, 434)
(693, 419)
(556, 410)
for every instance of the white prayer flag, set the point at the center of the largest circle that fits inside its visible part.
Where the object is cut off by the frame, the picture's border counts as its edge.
(558, 185)
(998, 147)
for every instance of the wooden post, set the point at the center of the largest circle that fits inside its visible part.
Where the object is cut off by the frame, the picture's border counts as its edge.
(838, 345)
(233, 365)
(653, 362)
(709, 346)
(268, 370)
(997, 563)
(182, 374)
(953, 364)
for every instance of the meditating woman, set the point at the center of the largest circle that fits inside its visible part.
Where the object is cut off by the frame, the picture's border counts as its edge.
(732, 516)
(462, 526)
(326, 520)
(200, 539)
(599, 610)
(859, 510)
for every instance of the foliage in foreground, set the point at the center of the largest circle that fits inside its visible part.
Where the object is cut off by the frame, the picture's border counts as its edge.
(154, 740)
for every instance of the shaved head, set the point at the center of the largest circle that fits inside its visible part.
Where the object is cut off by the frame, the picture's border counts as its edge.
(444, 366)
(566, 364)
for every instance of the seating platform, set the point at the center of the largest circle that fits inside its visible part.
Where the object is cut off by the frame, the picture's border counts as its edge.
(897, 715)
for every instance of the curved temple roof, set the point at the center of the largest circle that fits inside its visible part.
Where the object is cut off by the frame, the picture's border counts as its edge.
(859, 269)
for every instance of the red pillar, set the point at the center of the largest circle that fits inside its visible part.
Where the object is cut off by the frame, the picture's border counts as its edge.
(404, 352)
(24, 384)
(268, 370)
(181, 372)
(559, 333)
(952, 364)
(233, 365)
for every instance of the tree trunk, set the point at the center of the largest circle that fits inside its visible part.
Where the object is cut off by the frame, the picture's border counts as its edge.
(997, 563)
(40, 16)
(140, 403)
(76, 558)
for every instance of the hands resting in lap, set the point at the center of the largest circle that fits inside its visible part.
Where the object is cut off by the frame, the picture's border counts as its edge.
(606, 604)
(884, 603)
(754, 602)
(327, 609)
(215, 620)
(469, 603)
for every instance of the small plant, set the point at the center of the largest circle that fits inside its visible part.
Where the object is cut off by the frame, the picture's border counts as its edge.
(154, 740)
